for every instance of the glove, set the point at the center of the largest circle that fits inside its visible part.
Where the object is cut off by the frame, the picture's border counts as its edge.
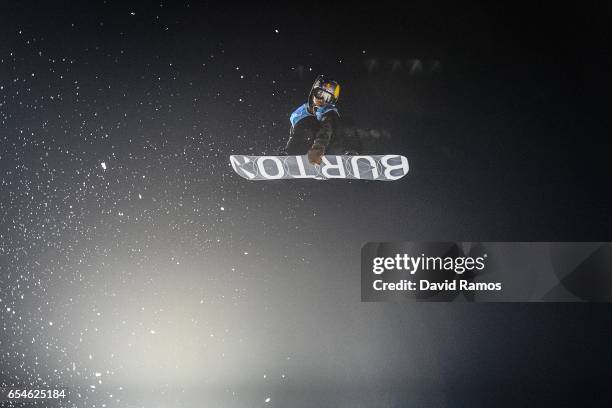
(315, 153)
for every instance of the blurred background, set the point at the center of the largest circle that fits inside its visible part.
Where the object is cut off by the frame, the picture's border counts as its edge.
(139, 271)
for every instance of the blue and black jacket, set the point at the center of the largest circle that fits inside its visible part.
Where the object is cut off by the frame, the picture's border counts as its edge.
(317, 127)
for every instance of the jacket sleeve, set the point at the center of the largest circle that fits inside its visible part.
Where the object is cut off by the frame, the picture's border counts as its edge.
(329, 128)
(292, 143)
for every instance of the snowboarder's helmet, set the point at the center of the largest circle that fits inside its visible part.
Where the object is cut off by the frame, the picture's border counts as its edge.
(325, 89)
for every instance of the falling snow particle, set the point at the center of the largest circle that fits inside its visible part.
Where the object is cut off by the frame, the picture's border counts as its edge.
(103, 164)
(268, 399)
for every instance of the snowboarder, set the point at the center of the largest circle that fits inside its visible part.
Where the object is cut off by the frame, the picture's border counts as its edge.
(315, 124)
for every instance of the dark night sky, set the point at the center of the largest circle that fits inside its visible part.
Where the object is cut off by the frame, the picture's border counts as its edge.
(133, 259)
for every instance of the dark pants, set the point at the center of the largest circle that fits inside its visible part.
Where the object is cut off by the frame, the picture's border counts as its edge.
(302, 137)
(305, 131)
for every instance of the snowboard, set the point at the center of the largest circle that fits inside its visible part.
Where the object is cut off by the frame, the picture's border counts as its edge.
(387, 167)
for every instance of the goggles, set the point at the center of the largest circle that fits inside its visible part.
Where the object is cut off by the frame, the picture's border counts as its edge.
(322, 94)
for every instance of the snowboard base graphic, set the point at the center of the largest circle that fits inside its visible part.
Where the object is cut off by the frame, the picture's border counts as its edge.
(387, 167)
